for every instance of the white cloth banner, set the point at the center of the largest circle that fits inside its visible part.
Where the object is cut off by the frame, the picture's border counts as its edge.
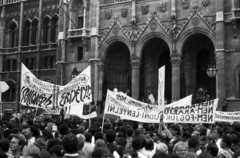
(38, 93)
(130, 109)
(227, 116)
(161, 88)
(190, 113)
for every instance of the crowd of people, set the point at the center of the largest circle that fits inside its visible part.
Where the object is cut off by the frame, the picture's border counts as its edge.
(78, 138)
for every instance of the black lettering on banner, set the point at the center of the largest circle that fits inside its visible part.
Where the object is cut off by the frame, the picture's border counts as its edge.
(121, 98)
(31, 97)
(78, 95)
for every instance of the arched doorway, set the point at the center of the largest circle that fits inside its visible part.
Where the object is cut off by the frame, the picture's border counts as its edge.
(117, 69)
(155, 54)
(198, 53)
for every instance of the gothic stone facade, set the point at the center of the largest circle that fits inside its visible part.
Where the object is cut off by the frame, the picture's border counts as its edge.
(125, 42)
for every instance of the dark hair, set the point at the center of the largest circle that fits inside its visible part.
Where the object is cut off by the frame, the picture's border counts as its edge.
(110, 135)
(237, 127)
(227, 140)
(47, 134)
(193, 142)
(53, 142)
(212, 149)
(34, 130)
(149, 144)
(219, 131)
(160, 155)
(176, 128)
(234, 137)
(3, 155)
(99, 152)
(5, 144)
(122, 141)
(98, 135)
(70, 142)
(88, 136)
(205, 155)
(57, 150)
(187, 134)
(203, 138)
(63, 129)
(42, 126)
(137, 143)
(203, 130)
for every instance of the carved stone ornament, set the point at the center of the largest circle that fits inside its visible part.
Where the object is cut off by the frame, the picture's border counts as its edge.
(124, 12)
(108, 14)
(145, 9)
(115, 30)
(205, 2)
(162, 6)
(185, 4)
(133, 19)
(153, 26)
(195, 21)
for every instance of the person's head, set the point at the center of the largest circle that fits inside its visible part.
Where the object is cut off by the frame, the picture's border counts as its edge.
(57, 151)
(88, 137)
(226, 142)
(100, 143)
(175, 130)
(162, 147)
(99, 152)
(180, 149)
(129, 132)
(172, 143)
(212, 149)
(155, 136)
(202, 143)
(205, 155)
(193, 144)
(63, 129)
(32, 151)
(160, 155)
(216, 133)
(32, 132)
(17, 143)
(110, 135)
(53, 142)
(98, 135)
(121, 141)
(70, 144)
(235, 138)
(186, 136)
(4, 145)
(81, 141)
(137, 143)
(149, 144)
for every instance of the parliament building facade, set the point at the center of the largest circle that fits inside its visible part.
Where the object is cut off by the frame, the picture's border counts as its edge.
(125, 42)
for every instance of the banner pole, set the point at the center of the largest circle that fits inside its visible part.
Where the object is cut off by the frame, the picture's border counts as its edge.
(1, 111)
(103, 122)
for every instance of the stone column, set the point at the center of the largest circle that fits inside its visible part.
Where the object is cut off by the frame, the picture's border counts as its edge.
(100, 80)
(39, 37)
(176, 63)
(135, 62)
(85, 3)
(220, 51)
(2, 36)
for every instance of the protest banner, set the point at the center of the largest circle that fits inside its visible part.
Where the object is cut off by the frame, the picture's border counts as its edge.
(35, 92)
(161, 88)
(128, 108)
(191, 113)
(227, 116)
(38, 93)
(77, 91)
(84, 111)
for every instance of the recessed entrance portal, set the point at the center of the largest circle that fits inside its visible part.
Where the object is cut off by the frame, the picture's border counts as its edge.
(198, 53)
(117, 68)
(155, 54)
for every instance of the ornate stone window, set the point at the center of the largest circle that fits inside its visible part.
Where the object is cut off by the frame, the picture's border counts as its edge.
(54, 29)
(34, 31)
(12, 34)
(26, 33)
(46, 30)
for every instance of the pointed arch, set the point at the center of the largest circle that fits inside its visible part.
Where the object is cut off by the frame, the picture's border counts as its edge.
(183, 38)
(107, 44)
(13, 26)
